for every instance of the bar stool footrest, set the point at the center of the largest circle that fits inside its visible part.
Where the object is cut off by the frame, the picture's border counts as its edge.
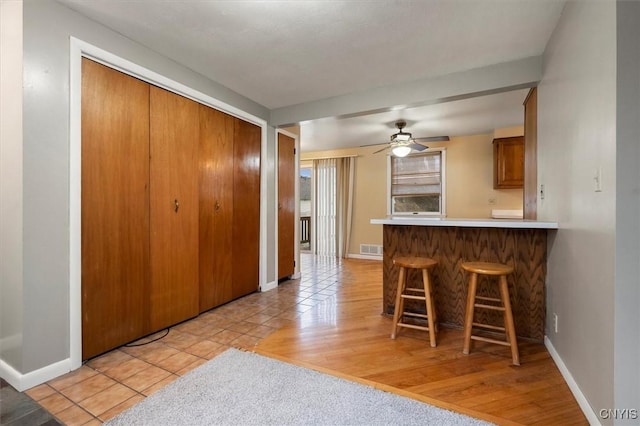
(489, 299)
(416, 327)
(415, 315)
(491, 307)
(409, 296)
(489, 326)
(490, 340)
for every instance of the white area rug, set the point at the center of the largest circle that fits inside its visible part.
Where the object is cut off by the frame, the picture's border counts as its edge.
(242, 388)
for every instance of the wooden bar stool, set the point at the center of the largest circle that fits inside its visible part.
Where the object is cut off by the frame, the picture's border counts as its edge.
(403, 292)
(502, 304)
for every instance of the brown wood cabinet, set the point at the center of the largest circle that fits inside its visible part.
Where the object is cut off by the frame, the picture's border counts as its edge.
(508, 162)
(170, 208)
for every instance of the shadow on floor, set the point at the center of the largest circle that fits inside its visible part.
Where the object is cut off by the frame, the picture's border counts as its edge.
(18, 409)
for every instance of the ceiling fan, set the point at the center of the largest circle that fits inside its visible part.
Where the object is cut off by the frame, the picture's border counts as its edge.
(402, 143)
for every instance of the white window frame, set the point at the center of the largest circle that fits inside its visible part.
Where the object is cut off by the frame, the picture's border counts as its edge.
(443, 180)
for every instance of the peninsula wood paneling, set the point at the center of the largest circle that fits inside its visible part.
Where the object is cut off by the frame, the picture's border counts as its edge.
(216, 207)
(115, 208)
(525, 249)
(174, 208)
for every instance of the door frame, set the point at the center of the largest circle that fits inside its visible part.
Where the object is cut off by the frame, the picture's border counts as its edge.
(78, 50)
(296, 195)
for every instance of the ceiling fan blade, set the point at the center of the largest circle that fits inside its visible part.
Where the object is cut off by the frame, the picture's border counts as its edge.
(374, 144)
(432, 139)
(418, 147)
(383, 149)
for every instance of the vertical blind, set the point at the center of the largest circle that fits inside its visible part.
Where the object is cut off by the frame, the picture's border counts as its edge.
(325, 206)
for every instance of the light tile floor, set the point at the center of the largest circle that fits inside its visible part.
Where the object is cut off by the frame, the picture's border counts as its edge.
(109, 384)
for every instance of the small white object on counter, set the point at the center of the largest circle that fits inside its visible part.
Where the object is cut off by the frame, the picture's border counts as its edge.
(506, 214)
(467, 223)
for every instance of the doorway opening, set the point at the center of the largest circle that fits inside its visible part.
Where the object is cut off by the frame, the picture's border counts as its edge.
(305, 208)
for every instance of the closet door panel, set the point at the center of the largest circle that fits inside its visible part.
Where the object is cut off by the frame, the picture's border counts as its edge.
(286, 205)
(174, 208)
(216, 207)
(114, 208)
(246, 204)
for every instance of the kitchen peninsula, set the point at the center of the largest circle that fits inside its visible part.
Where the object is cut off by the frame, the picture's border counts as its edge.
(520, 243)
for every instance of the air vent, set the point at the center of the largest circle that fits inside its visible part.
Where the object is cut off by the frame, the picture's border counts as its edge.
(371, 249)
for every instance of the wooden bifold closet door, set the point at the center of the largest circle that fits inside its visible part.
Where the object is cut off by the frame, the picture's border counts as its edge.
(170, 208)
(115, 208)
(174, 140)
(246, 205)
(216, 207)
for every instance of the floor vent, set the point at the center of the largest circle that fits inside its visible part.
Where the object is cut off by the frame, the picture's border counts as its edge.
(370, 249)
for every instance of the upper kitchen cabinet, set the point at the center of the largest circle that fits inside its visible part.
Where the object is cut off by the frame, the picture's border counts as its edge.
(508, 162)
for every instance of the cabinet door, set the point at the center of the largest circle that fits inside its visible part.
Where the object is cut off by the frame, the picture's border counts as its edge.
(216, 207)
(286, 205)
(246, 208)
(508, 162)
(174, 208)
(114, 208)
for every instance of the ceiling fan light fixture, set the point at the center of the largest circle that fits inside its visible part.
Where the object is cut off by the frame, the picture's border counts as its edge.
(401, 150)
(401, 137)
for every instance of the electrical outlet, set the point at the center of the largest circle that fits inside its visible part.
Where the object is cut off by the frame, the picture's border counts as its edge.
(492, 201)
(555, 322)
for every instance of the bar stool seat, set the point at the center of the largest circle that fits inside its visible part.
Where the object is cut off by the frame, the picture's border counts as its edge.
(413, 293)
(502, 304)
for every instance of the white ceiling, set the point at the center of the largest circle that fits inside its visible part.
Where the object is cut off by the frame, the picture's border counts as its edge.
(282, 53)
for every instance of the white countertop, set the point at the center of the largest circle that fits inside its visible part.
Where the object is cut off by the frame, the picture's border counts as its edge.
(468, 223)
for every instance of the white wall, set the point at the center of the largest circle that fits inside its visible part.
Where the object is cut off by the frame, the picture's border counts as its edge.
(576, 137)
(627, 298)
(11, 183)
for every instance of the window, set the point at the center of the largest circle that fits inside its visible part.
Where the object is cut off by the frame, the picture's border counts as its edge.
(416, 184)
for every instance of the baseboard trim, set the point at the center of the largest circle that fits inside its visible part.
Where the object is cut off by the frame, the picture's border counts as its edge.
(296, 276)
(269, 286)
(573, 386)
(26, 381)
(364, 256)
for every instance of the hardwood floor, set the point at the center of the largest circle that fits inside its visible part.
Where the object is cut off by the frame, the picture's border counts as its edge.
(329, 320)
(346, 335)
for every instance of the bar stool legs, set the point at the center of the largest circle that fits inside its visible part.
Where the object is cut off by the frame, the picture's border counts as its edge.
(502, 304)
(468, 314)
(508, 320)
(403, 292)
(399, 305)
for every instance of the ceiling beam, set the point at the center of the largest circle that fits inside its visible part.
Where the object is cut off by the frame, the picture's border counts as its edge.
(496, 78)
